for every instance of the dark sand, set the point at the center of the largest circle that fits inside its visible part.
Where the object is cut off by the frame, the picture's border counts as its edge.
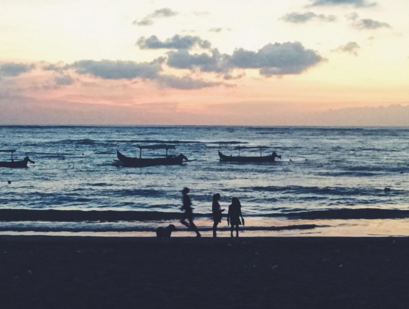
(74, 272)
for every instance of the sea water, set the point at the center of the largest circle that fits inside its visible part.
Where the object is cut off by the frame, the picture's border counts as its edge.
(329, 181)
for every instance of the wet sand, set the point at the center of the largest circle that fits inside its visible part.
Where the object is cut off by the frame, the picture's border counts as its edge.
(91, 272)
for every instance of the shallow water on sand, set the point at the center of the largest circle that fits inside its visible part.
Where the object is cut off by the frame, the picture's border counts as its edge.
(331, 174)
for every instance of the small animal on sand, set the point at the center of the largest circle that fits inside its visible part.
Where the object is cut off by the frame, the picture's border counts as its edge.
(165, 232)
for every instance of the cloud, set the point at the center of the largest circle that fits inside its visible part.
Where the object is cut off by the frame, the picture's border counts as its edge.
(366, 24)
(354, 3)
(64, 80)
(176, 42)
(15, 69)
(185, 83)
(161, 13)
(277, 59)
(272, 59)
(230, 76)
(214, 62)
(351, 48)
(371, 24)
(301, 18)
(54, 67)
(216, 30)
(108, 69)
(143, 22)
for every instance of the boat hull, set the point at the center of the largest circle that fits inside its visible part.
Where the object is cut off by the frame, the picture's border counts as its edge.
(14, 164)
(246, 159)
(139, 162)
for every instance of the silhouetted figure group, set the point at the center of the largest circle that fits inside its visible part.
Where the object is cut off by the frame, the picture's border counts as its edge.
(233, 216)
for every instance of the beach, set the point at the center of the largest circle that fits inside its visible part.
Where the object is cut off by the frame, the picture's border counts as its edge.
(285, 272)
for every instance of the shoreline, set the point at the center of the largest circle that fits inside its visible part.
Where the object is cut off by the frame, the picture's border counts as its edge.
(255, 227)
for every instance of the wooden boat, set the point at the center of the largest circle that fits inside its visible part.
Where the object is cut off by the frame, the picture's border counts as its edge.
(15, 164)
(142, 162)
(260, 159)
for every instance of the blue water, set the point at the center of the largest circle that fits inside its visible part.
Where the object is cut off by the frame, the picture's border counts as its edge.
(322, 169)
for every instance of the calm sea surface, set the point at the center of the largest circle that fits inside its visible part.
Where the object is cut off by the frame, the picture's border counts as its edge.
(329, 180)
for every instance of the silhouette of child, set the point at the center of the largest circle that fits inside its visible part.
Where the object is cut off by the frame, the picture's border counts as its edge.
(217, 212)
(187, 207)
(233, 217)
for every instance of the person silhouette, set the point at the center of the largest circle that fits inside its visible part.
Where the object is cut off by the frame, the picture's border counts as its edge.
(233, 217)
(187, 207)
(217, 212)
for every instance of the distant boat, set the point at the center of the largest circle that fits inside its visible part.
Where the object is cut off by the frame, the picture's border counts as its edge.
(258, 159)
(15, 164)
(142, 162)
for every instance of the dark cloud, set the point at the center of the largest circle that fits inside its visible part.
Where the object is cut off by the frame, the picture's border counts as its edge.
(205, 62)
(301, 18)
(366, 23)
(165, 12)
(371, 24)
(277, 59)
(185, 83)
(355, 3)
(143, 22)
(108, 69)
(14, 69)
(59, 68)
(230, 76)
(64, 80)
(350, 48)
(272, 59)
(161, 13)
(176, 42)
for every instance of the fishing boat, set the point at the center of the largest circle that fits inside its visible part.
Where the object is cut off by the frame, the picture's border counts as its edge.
(15, 164)
(142, 162)
(254, 159)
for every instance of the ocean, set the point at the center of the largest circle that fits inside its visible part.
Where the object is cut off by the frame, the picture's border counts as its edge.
(330, 181)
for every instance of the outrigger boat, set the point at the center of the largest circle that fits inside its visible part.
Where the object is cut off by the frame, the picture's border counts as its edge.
(260, 159)
(141, 162)
(15, 164)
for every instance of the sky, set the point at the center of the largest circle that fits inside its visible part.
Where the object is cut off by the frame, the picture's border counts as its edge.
(214, 62)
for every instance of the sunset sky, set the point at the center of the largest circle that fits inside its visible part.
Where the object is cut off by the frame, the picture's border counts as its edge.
(298, 62)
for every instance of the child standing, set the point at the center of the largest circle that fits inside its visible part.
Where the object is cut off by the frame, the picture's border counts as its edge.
(233, 217)
(217, 212)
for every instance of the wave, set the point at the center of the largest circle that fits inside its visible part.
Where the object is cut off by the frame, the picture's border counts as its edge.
(51, 215)
(85, 141)
(91, 215)
(154, 141)
(121, 228)
(346, 214)
(226, 143)
(329, 190)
